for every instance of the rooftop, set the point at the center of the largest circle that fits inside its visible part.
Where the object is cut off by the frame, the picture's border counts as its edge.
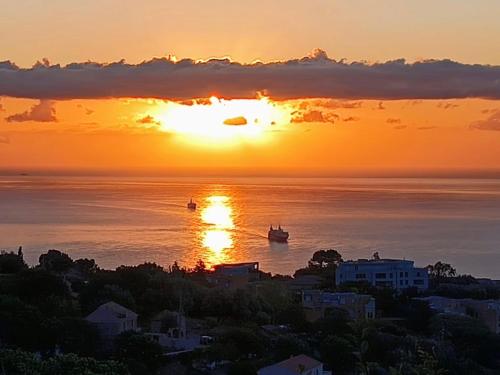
(296, 365)
(237, 265)
(385, 260)
(109, 312)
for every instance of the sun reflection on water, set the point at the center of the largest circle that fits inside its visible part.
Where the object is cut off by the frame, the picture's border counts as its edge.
(217, 236)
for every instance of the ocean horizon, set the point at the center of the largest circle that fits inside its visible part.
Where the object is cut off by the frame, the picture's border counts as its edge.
(131, 220)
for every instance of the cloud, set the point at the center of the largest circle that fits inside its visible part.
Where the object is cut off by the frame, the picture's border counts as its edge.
(88, 111)
(148, 119)
(335, 104)
(314, 116)
(44, 111)
(2, 109)
(393, 121)
(380, 106)
(400, 127)
(236, 121)
(491, 123)
(350, 118)
(489, 110)
(426, 127)
(447, 105)
(314, 76)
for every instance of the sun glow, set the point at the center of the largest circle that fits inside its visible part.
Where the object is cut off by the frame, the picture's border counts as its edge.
(220, 121)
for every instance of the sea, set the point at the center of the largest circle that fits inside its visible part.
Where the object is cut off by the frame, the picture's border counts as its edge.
(128, 221)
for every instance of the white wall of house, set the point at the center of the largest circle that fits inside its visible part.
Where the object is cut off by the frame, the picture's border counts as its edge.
(393, 273)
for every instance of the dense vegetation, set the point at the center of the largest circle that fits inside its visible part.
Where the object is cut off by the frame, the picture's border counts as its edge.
(43, 330)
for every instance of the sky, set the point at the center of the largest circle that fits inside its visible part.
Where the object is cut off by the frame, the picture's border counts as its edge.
(297, 87)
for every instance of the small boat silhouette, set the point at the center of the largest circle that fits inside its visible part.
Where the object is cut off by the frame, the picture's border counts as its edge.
(191, 205)
(277, 235)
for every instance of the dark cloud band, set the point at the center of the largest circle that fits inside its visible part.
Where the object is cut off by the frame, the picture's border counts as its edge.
(313, 76)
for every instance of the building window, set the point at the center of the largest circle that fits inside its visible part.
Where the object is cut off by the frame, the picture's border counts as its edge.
(406, 282)
(401, 274)
(380, 275)
(390, 275)
(406, 274)
(418, 274)
(400, 282)
(360, 276)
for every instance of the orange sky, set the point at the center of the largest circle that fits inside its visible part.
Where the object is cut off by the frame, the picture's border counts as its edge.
(308, 136)
(376, 136)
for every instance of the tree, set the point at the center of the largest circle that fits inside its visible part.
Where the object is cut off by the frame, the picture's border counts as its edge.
(338, 353)
(325, 259)
(324, 264)
(55, 261)
(237, 343)
(141, 355)
(428, 365)
(36, 285)
(86, 266)
(200, 267)
(289, 345)
(11, 263)
(242, 368)
(440, 271)
(470, 337)
(17, 362)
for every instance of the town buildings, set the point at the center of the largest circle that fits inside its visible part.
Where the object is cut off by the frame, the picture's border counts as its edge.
(170, 330)
(487, 311)
(112, 319)
(391, 273)
(316, 303)
(235, 275)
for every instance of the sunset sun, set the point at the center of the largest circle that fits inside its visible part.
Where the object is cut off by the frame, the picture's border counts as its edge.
(219, 121)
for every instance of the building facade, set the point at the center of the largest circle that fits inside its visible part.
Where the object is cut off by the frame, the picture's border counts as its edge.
(487, 311)
(112, 319)
(316, 303)
(234, 275)
(390, 273)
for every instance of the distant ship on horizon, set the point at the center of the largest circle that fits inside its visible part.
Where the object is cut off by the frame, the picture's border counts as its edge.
(191, 205)
(277, 235)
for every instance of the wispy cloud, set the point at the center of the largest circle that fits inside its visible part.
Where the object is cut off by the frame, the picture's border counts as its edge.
(313, 76)
(88, 111)
(491, 123)
(350, 119)
(393, 120)
(43, 111)
(445, 105)
(148, 119)
(314, 116)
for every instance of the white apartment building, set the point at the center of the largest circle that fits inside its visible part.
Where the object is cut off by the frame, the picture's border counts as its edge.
(392, 273)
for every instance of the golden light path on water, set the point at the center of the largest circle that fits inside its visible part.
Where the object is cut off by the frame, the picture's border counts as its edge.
(217, 236)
